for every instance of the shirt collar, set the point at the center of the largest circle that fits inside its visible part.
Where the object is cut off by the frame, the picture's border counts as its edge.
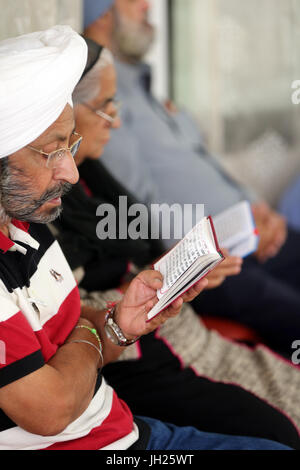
(133, 73)
(18, 231)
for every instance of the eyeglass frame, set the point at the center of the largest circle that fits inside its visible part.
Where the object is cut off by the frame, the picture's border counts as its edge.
(104, 115)
(65, 149)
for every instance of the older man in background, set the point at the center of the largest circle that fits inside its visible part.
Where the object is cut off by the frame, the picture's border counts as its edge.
(162, 158)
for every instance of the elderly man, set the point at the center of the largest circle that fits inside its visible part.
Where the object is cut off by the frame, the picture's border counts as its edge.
(52, 395)
(161, 157)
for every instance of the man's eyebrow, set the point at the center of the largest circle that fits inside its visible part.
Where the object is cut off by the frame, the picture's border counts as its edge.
(62, 138)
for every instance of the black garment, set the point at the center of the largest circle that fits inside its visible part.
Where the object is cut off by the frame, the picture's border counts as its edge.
(144, 435)
(265, 297)
(105, 261)
(157, 386)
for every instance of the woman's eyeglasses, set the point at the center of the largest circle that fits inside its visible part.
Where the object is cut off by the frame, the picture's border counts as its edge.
(101, 113)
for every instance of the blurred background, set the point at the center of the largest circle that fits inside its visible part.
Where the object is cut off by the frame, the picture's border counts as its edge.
(231, 63)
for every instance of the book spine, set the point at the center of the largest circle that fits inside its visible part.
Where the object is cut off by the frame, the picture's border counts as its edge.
(215, 235)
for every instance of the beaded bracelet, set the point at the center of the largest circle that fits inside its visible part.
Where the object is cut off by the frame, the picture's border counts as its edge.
(93, 331)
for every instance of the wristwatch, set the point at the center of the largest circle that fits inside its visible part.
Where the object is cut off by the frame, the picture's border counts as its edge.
(114, 332)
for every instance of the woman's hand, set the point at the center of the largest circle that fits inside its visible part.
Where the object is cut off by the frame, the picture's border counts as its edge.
(231, 266)
(272, 228)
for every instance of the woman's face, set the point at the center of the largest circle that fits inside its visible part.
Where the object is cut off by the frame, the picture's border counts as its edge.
(95, 129)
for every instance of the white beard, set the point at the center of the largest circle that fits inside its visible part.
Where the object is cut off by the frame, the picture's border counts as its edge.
(133, 41)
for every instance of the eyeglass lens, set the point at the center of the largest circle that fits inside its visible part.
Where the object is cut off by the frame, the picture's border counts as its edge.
(55, 157)
(75, 147)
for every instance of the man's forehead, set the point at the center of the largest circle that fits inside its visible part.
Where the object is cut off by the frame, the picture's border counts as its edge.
(128, 6)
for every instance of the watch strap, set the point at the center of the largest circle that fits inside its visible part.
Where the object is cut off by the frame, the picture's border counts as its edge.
(114, 332)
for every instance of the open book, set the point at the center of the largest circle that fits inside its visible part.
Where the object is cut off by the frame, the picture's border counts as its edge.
(189, 261)
(236, 230)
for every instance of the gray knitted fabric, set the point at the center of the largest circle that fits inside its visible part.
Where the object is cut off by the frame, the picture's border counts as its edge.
(257, 370)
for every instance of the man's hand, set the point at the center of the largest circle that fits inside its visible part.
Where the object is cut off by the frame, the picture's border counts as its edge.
(231, 266)
(272, 230)
(170, 107)
(140, 297)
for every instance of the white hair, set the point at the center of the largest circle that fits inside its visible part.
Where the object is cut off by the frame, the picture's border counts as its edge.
(89, 86)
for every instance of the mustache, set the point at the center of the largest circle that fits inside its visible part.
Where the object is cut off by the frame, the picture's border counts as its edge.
(50, 194)
(27, 206)
(60, 191)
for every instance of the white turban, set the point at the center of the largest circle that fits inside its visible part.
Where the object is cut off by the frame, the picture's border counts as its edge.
(38, 73)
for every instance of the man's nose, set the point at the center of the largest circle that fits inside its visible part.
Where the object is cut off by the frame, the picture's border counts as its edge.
(66, 170)
(146, 5)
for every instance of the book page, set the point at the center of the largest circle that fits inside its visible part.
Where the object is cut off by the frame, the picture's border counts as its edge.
(196, 272)
(234, 226)
(198, 242)
(245, 247)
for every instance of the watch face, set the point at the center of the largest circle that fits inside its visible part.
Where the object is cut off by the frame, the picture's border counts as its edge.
(111, 334)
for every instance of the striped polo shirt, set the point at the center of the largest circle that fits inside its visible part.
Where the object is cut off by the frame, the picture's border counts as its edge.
(40, 306)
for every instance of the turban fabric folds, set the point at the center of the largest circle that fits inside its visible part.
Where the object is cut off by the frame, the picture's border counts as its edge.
(38, 73)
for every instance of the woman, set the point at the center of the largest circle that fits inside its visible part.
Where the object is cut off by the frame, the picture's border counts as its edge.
(179, 372)
(101, 264)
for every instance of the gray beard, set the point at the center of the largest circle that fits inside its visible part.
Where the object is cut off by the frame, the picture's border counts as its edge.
(132, 42)
(17, 201)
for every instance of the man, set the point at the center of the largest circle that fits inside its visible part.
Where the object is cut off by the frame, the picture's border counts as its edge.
(161, 157)
(52, 395)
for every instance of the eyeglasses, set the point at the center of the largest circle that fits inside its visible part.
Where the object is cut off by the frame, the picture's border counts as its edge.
(54, 158)
(102, 114)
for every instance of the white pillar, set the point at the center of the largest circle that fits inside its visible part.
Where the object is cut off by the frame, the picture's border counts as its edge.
(158, 57)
